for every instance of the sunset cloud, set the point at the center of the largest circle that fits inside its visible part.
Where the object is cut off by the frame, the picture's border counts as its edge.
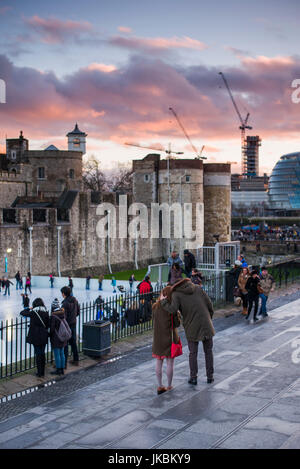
(101, 67)
(132, 103)
(124, 29)
(156, 44)
(53, 30)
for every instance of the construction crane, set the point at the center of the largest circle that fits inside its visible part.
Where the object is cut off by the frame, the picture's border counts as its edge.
(168, 151)
(198, 155)
(244, 125)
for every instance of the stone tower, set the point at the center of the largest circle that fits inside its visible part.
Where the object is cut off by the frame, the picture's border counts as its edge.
(217, 202)
(76, 140)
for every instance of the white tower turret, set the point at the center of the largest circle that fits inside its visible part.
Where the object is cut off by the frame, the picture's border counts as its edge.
(76, 140)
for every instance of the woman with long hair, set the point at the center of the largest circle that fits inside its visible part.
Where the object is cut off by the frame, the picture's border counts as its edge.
(164, 333)
(38, 332)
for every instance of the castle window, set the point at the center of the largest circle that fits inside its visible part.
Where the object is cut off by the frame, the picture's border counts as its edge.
(187, 178)
(72, 174)
(13, 154)
(39, 215)
(146, 177)
(41, 173)
(19, 248)
(63, 214)
(76, 142)
(9, 215)
(46, 246)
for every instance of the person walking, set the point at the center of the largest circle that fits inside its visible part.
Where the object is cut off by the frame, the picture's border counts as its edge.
(114, 284)
(28, 284)
(252, 287)
(51, 279)
(57, 316)
(38, 332)
(189, 262)
(267, 284)
(25, 300)
(7, 284)
(164, 333)
(72, 310)
(18, 280)
(197, 312)
(71, 285)
(87, 283)
(100, 281)
(242, 280)
(176, 274)
(131, 282)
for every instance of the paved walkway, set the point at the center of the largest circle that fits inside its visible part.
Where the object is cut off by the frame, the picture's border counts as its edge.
(253, 403)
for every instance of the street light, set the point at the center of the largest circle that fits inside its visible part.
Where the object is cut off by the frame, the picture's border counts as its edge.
(58, 250)
(30, 248)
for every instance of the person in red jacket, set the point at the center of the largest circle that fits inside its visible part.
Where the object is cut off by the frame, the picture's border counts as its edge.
(145, 290)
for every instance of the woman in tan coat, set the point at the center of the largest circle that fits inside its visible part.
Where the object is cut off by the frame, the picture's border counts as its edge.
(243, 277)
(162, 339)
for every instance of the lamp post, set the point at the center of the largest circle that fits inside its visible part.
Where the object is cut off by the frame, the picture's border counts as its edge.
(58, 250)
(182, 214)
(108, 241)
(30, 248)
(8, 251)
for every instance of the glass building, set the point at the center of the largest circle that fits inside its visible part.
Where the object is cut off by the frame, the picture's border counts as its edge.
(284, 183)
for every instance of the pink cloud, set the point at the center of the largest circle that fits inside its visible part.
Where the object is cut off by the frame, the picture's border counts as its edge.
(101, 67)
(5, 9)
(53, 30)
(131, 103)
(125, 29)
(157, 44)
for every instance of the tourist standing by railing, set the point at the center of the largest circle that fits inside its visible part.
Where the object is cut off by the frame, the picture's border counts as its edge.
(72, 310)
(38, 332)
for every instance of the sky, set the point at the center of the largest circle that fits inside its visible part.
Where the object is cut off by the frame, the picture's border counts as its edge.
(117, 66)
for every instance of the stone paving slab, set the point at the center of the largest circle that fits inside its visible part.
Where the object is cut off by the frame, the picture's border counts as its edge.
(253, 403)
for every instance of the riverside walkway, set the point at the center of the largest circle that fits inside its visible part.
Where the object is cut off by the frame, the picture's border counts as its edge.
(254, 401)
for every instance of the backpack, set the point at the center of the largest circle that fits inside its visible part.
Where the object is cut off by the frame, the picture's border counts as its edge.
(64, 332)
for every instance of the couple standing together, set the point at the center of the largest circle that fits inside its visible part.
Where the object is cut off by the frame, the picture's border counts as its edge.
(196, 312)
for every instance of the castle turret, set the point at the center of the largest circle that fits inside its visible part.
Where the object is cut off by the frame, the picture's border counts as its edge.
(217, 206)
(76, 140)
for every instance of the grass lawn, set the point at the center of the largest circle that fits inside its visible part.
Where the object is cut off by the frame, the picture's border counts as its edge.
(139, 274)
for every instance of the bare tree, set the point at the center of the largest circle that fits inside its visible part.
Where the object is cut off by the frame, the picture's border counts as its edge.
(121, 180)
(93, 177)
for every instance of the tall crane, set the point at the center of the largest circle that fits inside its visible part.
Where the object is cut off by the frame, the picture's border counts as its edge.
(167, 151)
(244, 125)
(198, 155)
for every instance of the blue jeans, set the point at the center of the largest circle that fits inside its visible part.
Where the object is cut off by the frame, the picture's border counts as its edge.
(7, 290)
(100, 286)
(59, 357)
(263, 306)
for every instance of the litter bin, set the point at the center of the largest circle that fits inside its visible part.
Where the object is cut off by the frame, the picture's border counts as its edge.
(96, 338)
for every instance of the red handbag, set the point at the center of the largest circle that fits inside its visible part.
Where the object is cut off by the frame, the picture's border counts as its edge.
(176, 349)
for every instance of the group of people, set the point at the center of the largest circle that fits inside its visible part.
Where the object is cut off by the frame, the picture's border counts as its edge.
(5, 283)
(251, 286)
(59, 326)
(177, 268)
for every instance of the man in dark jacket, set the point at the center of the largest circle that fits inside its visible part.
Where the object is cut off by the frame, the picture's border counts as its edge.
(197, 312)
(72, 310)
(189, 262)
(253, 293)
